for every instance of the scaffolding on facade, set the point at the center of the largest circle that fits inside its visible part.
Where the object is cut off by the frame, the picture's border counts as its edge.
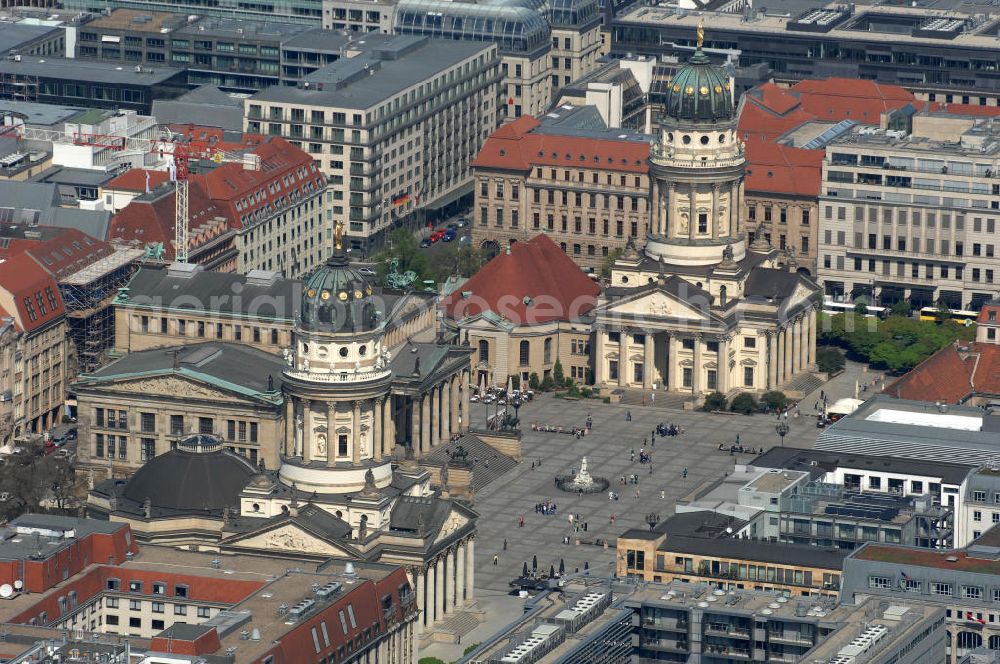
(89, 295)
(18, 87)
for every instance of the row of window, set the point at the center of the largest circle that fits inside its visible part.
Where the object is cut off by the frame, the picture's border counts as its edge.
(915, 218)
(687, 375)
(804, 218)
(941, 588)
(202, 329)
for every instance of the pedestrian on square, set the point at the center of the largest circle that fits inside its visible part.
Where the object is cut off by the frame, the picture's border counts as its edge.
(504, 543)
(628, 415)
(663, 494)
(496, 560)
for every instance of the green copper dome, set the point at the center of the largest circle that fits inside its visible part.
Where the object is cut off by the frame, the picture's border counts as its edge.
(700, 91)
(336, 298)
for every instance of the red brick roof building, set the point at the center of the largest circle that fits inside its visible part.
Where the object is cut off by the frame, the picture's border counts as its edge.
(524, 311)
(33, 353)
(587, 189)
(966, 372)
(264, 213)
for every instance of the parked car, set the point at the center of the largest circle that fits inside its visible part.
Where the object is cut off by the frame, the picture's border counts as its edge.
(465, 239)
(449, 235)
(463, 222)
(437, 235)
(367, 271)
(426, 242)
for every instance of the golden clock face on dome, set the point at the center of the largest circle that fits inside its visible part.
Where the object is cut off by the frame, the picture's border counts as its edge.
(718, 89)
(311, 292)
(703, 90)
(689, 90)
(342, 296)
(325, 295)
(677, 88)
(357, 295)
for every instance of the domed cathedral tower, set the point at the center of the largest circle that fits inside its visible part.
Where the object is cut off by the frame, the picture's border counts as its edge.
(338, 419)
(698, 311)
(696, 169)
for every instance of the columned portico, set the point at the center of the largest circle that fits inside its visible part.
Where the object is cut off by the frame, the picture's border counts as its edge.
(623, 357)
(648, 369)
(697, 369)
(723, 375)
(772, 360)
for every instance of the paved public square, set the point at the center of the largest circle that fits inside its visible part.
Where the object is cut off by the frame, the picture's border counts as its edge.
(607, 449)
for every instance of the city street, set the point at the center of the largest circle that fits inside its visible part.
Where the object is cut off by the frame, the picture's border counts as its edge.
(607, 449)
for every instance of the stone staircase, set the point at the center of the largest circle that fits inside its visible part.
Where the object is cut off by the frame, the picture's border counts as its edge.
(487, 463)
(662, 400)
(802, 385)
(460, 623)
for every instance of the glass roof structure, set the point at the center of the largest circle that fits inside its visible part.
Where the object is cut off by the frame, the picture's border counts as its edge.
(514, 27)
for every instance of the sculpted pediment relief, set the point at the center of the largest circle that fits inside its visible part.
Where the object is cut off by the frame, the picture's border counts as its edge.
(658, 304)
(288, 538)
(173, 386)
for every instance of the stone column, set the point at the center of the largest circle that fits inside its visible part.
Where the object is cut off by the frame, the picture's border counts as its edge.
(466, 391)
(696, 373)
(600, 362)
(446, 411)
(460, 576)
(356, 432)
(289, 427)
(470, 570)
(453, 409)
(734, 209)
(378, 424)
(772, 360)
(672, 362)
(419, 582)
(388, 427)
(723, 365)
(654, 213)
(415, 425)
(331, 433)
(804, 343)
(789, 372)
(647, 361)
(425, 423)
(713, 222)
(435, 402)
(439, 588)
(781, 358)
(307, 452)
(812, 337)
(668, 211)
(623, 357)
(431, 594)
(692, 213)
(448, 605)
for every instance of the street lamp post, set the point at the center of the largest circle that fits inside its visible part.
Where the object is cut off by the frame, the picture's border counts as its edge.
(782, 430)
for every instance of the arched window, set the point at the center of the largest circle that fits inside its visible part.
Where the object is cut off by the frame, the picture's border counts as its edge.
(548, 350)
(722, 295)
(484, 350)
(524, 353)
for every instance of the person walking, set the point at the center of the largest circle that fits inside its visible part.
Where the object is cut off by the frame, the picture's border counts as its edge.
(504, 543)
(496, 560)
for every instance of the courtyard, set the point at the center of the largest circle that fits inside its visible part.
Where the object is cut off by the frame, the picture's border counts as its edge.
(607, 448)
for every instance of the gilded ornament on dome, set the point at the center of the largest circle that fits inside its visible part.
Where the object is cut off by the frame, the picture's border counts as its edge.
(311, 292)
(325, 295)
(718, 89)
(689, 90)
(357, 295)
(703, 90)
(342, 296)
(368, 290)
(677, 88)
(727, 86)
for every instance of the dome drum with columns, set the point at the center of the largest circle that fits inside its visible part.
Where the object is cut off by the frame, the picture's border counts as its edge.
(698, 310)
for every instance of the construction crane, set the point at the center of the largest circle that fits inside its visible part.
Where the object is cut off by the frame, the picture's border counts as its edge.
(180, 152)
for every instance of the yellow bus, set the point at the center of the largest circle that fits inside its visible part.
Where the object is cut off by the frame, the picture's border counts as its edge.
(959, 316)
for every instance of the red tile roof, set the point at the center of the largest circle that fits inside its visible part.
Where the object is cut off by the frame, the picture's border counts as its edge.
(836, 99)
(31, 291)
(135, 180)
(904, 555)
(536, 270)
(984, 314)
(951, 375)
(781, 169)
(66, 253)
(515, 147)
(966, 109)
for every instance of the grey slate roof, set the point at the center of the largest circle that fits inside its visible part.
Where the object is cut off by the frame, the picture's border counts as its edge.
(205, 290)
(234, 367)
(433, 358)
(14, 35)
(90, 71)
(410, 512)
(389, 65)
(791, 458)
(318, 39)
(704, 533)
(21, 547)
(41, 115)
(768, 282)
(95, 223)
(206, 106)
(28, 195)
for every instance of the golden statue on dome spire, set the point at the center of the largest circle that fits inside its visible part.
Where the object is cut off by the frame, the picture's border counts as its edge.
(701, 32)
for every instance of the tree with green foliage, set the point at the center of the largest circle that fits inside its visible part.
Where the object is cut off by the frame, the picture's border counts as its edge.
(515, 380)
(609, 261)
(403, 246)
(430, 660)
(943, 313)
(547, 384)
(861, 305)
(557, 374)
(715, 401)
(900, 308)
(773, 401)
(533, 381)
(896, 343)
(829, 360)
(464, 261)
(743, 403)
(470, 649)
